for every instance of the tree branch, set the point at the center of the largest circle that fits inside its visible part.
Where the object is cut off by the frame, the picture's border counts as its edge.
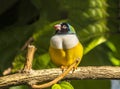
(29, 58)
(90, 72)
(61, 76)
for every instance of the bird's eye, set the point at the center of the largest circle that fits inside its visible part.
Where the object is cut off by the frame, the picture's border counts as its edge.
(64, 27)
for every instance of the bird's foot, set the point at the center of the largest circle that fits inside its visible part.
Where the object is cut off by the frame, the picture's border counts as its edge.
(74, 68)
(63, 68)
(77, 63)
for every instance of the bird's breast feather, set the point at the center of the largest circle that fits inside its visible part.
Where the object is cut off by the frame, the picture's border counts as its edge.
(64, 41)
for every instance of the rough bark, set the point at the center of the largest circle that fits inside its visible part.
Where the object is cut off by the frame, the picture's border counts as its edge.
(45, 75)
(29, 58)
(90, 72)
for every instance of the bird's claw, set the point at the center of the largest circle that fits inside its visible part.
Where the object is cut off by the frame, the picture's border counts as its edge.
(63, 68)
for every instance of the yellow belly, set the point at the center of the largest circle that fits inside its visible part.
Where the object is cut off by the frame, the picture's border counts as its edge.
(62, 57)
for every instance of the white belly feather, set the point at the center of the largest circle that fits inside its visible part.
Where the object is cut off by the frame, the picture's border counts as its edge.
(66, 41)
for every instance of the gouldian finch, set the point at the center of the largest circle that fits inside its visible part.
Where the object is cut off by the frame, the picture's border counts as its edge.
(65, 47)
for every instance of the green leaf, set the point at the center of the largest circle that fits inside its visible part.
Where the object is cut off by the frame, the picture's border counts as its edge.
(41, 61)
(94, 43)
(18, 62)
(96, 13)
(98, 3)
(56, 86)
(113, 59)
(111, 46)
(113, 52)
(66, 85)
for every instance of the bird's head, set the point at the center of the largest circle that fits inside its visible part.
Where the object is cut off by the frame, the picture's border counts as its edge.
(64, 28)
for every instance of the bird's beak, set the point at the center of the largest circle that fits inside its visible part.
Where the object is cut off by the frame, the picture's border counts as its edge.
(57, 27)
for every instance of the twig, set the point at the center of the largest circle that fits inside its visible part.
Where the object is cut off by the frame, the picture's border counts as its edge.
(56, 79)
(27, 43)
(39, 76)
(29, 58)
(7, 71)
(28, 68)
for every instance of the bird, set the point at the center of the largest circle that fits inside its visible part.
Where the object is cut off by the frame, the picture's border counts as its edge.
(65, 46)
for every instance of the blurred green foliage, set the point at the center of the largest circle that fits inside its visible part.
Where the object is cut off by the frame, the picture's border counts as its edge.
(96, 23)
